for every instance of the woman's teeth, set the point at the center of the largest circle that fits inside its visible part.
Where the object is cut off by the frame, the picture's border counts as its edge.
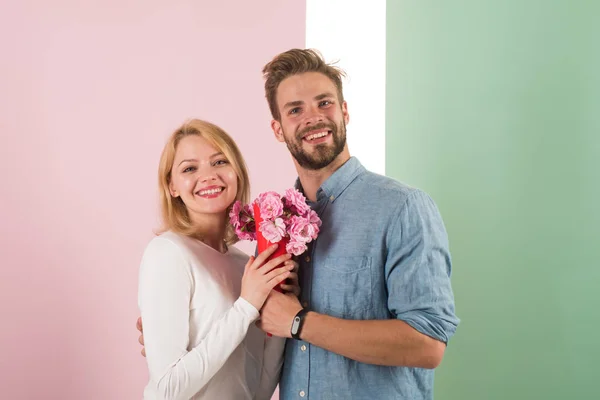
(210, 191)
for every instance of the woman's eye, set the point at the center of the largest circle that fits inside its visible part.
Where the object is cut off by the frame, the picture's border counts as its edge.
(189, 169)
(221, 162)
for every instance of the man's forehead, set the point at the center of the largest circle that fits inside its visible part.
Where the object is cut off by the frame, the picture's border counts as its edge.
(305, 84)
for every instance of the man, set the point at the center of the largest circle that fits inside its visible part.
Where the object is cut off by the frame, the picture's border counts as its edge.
(376, 309)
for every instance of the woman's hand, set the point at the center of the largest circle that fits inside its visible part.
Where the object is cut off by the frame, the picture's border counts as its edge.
(293, 285)
(261, 277)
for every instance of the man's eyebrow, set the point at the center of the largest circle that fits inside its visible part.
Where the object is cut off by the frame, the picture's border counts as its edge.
(323, 96)
(293, 104)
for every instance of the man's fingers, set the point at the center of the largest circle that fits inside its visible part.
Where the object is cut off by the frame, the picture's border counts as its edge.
(287, 288)
(141, 339)
(290, 289)
(144, 352)
(138, 324)
(295, 264)
(293, 276)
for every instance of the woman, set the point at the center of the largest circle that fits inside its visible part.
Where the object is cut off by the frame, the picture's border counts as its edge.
(199, 295)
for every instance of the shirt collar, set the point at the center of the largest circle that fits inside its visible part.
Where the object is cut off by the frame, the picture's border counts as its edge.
(338, 181)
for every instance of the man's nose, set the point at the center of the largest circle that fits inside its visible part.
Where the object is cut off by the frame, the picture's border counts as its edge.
(313, 116)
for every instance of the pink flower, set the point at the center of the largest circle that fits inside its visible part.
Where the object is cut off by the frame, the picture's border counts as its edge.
(270, 205)
(295, 248)
(273, 231)
(234, 214)
(287, 217)
(313, 218)
(296, 202)
(313, 231)
(242, 219)
(300, 229)
(245, 235)
(248, 214)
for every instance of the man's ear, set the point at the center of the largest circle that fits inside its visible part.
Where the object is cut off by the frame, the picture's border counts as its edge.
(345, 112)
(277, 130)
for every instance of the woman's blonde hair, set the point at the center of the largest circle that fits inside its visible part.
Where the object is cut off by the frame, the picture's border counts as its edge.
(174, 213)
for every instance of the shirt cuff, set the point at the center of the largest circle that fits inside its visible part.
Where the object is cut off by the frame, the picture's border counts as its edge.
(247, 309)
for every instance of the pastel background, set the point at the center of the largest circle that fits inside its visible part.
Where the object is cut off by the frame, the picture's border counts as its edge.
(491, 107)
(88, 94)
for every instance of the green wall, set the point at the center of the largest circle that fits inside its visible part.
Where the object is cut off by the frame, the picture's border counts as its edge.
(493, 107)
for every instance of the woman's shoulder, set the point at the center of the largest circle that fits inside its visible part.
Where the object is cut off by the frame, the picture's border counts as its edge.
(166, 243)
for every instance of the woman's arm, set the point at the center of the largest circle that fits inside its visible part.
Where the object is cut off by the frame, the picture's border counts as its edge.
(165, 290)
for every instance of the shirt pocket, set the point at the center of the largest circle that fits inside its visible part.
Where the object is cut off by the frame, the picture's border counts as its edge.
(345, 288)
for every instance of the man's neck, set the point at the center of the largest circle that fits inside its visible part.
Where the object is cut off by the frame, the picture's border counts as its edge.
(312, 180)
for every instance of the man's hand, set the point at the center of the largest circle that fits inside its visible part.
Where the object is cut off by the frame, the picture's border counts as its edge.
(139, 327)
(292, 285)
(277, 314)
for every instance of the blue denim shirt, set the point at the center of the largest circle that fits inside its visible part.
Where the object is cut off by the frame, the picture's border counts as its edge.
(382, 253)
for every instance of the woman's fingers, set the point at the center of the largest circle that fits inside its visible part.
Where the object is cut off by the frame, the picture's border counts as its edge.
(280, 277)
(262, 257)
(276, 262)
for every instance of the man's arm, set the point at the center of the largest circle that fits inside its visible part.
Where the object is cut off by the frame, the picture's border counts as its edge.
(419, 297)
(382, 342)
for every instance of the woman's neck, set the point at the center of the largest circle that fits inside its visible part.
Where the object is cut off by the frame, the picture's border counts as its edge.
(210, 230)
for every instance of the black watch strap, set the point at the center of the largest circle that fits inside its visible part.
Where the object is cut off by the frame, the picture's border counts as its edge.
(297, 323)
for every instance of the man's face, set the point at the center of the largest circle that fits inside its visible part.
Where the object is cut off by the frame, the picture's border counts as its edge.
(313, 121)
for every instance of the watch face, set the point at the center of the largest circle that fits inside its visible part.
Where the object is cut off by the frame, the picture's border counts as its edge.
(295, 325)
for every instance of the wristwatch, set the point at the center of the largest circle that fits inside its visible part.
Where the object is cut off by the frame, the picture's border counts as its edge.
(297, 323)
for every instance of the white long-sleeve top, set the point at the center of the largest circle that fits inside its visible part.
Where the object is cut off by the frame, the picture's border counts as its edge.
(199, 335)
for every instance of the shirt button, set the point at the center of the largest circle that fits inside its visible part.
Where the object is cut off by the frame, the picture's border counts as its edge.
(303, 348)
(332, 198)
(302, 394)
(305, 304)
(307, 258)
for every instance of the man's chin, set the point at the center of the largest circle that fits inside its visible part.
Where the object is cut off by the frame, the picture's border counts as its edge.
(315, 163)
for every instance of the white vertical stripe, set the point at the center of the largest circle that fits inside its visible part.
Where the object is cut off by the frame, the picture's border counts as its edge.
(353, 33)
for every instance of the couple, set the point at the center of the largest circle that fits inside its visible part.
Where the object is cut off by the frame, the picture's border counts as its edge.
(376, 308)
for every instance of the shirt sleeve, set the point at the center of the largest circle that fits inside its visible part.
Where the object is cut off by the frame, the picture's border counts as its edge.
(271, 369)
(418, 269)
(165, 290)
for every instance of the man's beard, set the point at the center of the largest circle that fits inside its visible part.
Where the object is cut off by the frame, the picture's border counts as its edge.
(323, 154)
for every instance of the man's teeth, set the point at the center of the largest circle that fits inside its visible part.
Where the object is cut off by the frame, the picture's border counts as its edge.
(316, 135)
(210, 191)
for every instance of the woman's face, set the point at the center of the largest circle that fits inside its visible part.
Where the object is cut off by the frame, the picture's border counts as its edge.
(202, 177)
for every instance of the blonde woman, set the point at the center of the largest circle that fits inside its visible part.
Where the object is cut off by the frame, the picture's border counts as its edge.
(198, 295)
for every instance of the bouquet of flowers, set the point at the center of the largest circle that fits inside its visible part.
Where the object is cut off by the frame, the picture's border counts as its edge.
(272, 218)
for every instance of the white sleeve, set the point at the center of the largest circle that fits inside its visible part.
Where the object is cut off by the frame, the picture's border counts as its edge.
(165, 291)
(271, 369)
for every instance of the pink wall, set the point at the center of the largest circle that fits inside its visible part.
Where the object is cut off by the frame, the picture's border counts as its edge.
(88, 93)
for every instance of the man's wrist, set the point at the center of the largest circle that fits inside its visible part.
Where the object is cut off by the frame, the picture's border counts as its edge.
(298, 323)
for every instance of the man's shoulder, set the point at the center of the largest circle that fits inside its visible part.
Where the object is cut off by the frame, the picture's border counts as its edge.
(386, 188)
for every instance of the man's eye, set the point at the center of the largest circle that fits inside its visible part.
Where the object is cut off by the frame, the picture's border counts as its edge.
(325, 103)
(295, 110)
